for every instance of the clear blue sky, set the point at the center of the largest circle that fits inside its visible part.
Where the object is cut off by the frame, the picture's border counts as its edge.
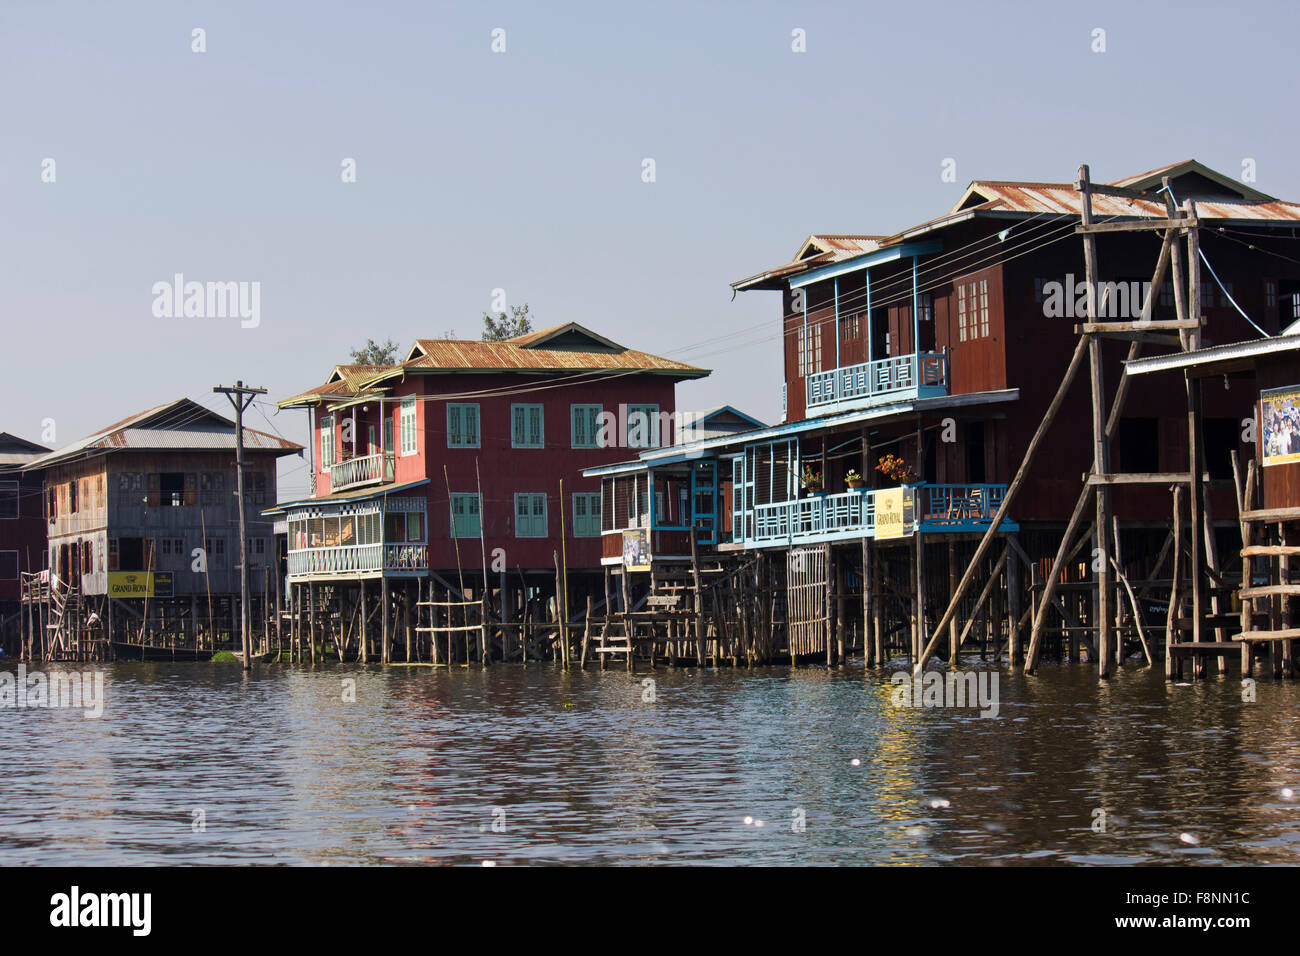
(522, 170)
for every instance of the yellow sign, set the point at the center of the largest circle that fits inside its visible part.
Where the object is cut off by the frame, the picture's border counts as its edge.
(636, 550)
(139, 584)
(893, 512)
(1279, 415)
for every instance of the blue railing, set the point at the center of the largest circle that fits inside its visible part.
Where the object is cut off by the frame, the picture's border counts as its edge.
(939, 508)
(899, 376)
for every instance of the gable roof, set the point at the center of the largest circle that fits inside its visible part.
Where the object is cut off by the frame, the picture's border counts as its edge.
(345, 381)
(1217, 196)
(18, 451)
(1151, 179)
(180, 424)
(573, 348)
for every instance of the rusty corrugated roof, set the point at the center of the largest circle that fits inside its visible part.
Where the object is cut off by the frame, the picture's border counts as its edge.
(176, 425)
(345, 381)
(1063, 199)
(1032, 198)
(581, 350)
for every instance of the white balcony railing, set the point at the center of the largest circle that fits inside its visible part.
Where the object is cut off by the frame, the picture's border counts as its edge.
(366, 470)
(898, 376)
(351, 559)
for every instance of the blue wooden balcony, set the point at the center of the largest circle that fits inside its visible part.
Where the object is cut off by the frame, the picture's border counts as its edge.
(893, 379)
(821, 518)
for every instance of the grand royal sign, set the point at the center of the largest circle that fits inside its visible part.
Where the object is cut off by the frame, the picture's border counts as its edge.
(139, 584)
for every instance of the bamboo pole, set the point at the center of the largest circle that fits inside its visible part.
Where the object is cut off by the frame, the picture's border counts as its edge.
(1030, 452)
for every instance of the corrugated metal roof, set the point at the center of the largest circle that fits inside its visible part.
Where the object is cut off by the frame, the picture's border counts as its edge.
(522, 355)
(1034, 198)
(179, 424)
(345, 381)
(1062, 199)
(1214, 354)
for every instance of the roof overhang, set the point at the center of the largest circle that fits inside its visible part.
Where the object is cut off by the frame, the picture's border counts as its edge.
(1216, 359)
(860, 263)
(713, 447)
(344, 497)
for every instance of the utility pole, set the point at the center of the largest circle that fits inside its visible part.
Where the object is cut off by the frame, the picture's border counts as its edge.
(241, 397)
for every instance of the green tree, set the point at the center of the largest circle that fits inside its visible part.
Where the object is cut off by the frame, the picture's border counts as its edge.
(374, 354)
(502, 326)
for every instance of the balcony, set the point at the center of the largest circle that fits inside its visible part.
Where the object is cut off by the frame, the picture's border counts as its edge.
(893, 379)
(820, 518)
(356, 559)
(366, 470)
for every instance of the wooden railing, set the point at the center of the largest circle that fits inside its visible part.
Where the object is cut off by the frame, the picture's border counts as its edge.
(891, 377)
(366, 470)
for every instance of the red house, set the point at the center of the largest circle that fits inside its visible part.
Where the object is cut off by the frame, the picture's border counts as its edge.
(456, 455)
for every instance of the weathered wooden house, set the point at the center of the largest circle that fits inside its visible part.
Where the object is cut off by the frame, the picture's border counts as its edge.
(459, 469)
(918, 367)
(22, 529)
(142, 526)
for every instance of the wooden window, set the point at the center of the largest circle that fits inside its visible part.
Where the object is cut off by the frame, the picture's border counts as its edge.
(72, 497)
(643, 426)
(526, 426)
(462, 426)
(585, 425)
(586, 515)
(388, 434)
(407, 426)
(466, 520)
(8, 565)
(530, 516)
(801, 363)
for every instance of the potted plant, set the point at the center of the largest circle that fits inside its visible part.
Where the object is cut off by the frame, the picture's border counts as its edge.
(895, 469)
(854, 480)
(811, 480)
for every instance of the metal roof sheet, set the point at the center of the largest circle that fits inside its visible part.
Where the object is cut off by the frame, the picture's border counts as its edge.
(180, 424)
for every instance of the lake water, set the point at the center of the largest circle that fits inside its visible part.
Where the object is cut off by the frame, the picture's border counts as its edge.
(202, 764)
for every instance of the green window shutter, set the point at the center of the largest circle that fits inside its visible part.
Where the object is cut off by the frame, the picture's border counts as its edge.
(535, 426)
(517, 437)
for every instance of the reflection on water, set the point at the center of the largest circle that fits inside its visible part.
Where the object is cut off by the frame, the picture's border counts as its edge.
(532, 765)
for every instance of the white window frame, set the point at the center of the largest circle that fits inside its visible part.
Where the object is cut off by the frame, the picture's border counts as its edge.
(410, 437)
(327, 451)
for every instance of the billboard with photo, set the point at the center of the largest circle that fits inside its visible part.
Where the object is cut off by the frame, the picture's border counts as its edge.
(1279, 414)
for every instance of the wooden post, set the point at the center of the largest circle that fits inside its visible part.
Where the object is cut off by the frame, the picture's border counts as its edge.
(954, 641)
(484, 647)
(1013, 603)
(868, 603)
(383, 618)
(1196, 461)
(919, 630)
(699, 601)
(562, 658)
(828, 625)
(363, 622)
(1171, 626)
